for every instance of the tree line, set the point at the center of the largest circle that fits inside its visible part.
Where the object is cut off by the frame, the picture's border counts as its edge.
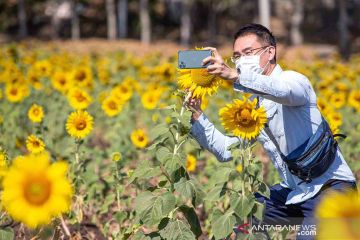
(184, 21)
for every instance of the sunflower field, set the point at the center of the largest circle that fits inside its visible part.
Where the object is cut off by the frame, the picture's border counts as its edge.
(99, 146)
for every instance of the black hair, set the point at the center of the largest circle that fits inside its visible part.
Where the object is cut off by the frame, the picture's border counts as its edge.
(259, 30)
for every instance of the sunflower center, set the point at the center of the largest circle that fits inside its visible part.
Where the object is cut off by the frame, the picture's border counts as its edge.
(37, 191)
(124, 90)
(80, 98)
(357, 97)
(36, 143)
(141, 138)
(80, 76)
(202, 77)
(36, 111)
(14, 91)
(243, 117)
(62, 81)
(112, 105)
(80, 124)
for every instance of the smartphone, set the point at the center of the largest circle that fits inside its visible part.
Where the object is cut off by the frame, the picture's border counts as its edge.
(190, 59)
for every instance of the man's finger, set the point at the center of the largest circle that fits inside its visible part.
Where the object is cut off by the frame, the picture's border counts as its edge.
(213, 50)
(208, 60)
(213, 67)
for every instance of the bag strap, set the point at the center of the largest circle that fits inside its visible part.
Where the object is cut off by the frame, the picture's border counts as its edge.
(271, 135)
(272, 138)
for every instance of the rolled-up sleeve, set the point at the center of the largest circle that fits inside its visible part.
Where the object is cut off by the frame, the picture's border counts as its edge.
(212, 139)
(288, 88)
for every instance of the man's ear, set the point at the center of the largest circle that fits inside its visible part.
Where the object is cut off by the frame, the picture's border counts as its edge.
(272, 53)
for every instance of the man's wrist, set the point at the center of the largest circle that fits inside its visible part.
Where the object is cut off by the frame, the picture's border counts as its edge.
(234, 75)
(196, 115)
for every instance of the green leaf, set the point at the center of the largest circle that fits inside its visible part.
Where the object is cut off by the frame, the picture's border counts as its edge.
(186, 188)
(216, 193)
(195, 144)
(141, 236)
(120, 216)
(259, 211)
(235, 145)
(222, 224)
(158, 130)
(152, 208)
(221, 175)
(254, 169)
(192, 219)
(264, 190)
(163, 154)
(156, 143)
(144, 171)
(177, 230)
(6, 234)
(173, 163)
(242, 205)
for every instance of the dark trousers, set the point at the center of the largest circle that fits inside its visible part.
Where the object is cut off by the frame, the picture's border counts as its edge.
(277, 213)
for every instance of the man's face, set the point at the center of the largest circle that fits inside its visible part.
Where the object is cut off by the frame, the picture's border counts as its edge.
(250, 45)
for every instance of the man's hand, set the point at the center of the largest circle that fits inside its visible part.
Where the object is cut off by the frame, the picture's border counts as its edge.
(194, 105)
(218, 66)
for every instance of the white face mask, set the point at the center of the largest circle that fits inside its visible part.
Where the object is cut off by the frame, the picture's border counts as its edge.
(252, 62)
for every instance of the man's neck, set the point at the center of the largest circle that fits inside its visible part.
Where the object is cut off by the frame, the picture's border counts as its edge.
(270, 69)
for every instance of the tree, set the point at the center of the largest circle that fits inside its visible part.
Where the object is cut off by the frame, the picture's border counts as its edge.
(344, 39)
(296, 21)
(22, 19)
(185, 28)
(122, 10)
(145, 22)
(75, 23)
(264, 13)
(111, 19)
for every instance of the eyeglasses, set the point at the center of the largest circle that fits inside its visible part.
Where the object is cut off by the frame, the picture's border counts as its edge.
(249, 52)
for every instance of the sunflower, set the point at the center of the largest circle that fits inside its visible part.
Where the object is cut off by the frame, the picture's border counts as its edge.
(43, 68)
(239, 168)
(122, 92)
(79, 124)
(111, 106)
(354, 99)
(335, 119)
(150, 99)
(338, 100)
(60, 81)
(338, 216)
(322, 105)
(139, 138)
(78, 98)
(199, 82)
(36, 113)
(82, 77)
(34, 144)
(116, 156)
(35, 191)
(34, 79)
(242, 119)
(190, 163)
(16, 92)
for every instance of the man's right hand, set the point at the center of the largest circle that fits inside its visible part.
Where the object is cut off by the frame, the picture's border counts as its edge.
(194, 105)
(219, 67)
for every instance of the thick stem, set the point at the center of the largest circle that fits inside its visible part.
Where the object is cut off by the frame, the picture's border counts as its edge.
(183, 107)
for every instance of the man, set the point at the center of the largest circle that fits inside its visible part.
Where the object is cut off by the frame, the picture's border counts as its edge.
(293, 117)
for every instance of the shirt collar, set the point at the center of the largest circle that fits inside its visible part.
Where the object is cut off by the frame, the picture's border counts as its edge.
(276, 71)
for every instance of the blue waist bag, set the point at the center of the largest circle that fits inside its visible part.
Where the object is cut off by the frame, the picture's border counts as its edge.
(312, 158)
